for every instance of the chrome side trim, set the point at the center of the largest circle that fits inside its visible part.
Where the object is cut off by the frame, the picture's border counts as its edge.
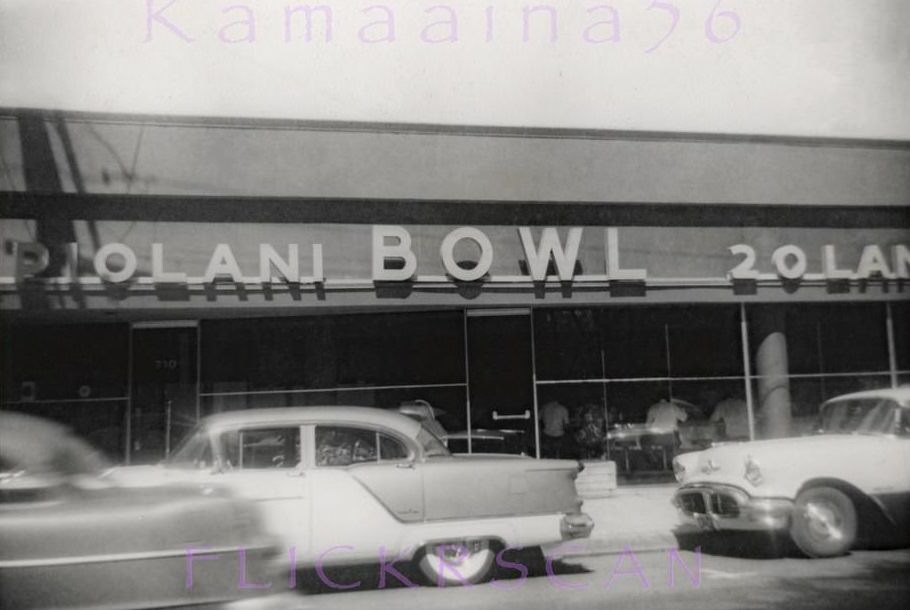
(117, 557)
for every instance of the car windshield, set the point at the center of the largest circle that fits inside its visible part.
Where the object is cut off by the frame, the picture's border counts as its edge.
(864, 416)
(432, 446)
(194, 451)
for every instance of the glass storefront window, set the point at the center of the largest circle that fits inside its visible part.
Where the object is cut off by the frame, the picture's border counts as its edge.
(831, 349)
(568, 343)
(704, 342)
(635, 369)
(379, 360)
(842, 338)
(64, 362)
(634, 342)
(72, 373)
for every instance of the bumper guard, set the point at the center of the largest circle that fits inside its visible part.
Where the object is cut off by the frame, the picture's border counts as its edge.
(721, 507)
(576, 525)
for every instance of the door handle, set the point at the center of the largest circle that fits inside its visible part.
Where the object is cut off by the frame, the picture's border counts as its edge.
(409, 465)
(498, 417)
(297, 472)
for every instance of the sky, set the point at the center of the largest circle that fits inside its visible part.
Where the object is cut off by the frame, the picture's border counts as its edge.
(838, 68)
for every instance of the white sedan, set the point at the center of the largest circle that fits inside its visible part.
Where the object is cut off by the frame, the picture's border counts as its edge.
(848, 482)
(351, 484)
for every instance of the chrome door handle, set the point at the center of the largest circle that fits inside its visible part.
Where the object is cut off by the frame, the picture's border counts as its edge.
(498, 417)
(297, 472)
(409, 465)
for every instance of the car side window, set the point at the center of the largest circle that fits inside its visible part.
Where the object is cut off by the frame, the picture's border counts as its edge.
(346, 445)
(260, 448)
(391, 448)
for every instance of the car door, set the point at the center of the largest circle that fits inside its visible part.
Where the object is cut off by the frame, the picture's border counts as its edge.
(367, 486)
(264, 464)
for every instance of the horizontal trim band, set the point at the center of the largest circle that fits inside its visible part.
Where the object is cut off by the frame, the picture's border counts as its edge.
(336, 389)
(223, 209)
(496, 131)
(53, 401)
(116, 557)
(145, 284)
(885, 373)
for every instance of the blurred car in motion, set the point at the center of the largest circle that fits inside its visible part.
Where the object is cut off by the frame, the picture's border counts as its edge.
(345, 485)
(71, 538)
(849, 481)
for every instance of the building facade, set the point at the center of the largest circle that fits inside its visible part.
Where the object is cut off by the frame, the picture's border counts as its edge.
(158, 269)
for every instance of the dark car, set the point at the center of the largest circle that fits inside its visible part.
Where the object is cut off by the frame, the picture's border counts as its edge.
(70, 538)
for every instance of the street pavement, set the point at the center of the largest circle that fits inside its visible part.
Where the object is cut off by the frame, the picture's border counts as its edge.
(727, 578)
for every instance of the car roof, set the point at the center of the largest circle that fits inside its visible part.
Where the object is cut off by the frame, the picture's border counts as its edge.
(41, 445)
(899, 395)
(316, 415)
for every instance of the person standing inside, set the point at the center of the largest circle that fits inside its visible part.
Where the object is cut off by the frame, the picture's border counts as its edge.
(664, 418)
(734, 412)
(555, 418)
(591, 436)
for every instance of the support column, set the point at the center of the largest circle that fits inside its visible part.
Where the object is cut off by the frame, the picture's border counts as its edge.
(773, 372)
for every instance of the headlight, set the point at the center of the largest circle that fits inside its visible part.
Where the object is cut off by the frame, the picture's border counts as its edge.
(679, 471)
(753, 472)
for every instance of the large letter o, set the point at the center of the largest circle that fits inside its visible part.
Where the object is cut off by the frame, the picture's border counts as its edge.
(486, 254)
(129, 263)
(785, 269)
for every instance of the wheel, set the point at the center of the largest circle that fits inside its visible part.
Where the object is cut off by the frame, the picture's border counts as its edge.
(824, 522)
(457, 563)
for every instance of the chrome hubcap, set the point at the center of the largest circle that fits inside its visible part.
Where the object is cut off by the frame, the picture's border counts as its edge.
(824, 521)
(453, 554)
(457, 562)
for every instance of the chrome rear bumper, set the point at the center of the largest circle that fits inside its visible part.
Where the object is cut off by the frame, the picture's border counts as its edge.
(722, 507)
(576, 525)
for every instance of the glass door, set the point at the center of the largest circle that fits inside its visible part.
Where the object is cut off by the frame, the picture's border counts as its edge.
(500, 383)
(163, 388)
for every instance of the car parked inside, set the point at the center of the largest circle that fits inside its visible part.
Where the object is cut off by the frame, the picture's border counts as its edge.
(848, 482)
(344, 485)
(476, 440)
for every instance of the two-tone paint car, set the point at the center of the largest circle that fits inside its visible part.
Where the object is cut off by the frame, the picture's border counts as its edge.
(848, 482)
(344, 485)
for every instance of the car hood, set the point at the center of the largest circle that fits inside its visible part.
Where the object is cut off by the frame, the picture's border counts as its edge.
(153, 475)
(781, 461)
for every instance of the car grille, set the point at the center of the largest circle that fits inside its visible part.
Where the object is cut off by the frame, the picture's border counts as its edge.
(724, 505)
(704, 501)
(692, 503)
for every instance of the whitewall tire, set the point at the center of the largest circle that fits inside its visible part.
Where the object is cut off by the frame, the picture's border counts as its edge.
(824, 522)
(457, 563)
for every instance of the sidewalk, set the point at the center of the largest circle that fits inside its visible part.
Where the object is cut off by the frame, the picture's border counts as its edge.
(640, 517)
